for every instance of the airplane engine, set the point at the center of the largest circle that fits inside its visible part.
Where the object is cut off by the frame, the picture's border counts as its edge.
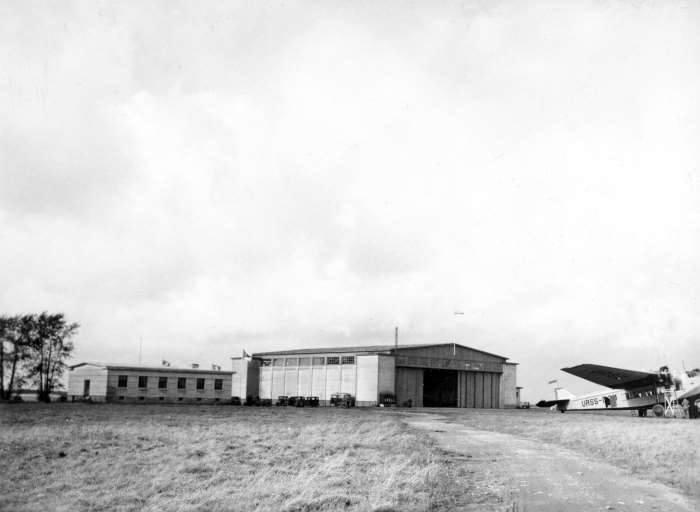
(665, 376)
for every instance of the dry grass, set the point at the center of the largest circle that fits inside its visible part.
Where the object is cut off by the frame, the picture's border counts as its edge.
(662, 450)
(139, 457)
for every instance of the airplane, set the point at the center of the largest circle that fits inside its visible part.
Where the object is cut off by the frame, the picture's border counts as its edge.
(657, 391)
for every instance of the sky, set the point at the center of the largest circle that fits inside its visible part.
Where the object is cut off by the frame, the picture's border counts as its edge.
(201, 179)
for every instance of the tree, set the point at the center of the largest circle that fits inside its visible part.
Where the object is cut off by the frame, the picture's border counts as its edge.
(5, 328)
(51, 346)
(15, 336)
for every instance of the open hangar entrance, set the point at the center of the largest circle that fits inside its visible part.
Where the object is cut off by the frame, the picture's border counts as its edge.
(440, 388)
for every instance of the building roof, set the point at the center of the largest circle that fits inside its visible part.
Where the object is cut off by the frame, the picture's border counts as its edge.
(367, 349)
(169, 369)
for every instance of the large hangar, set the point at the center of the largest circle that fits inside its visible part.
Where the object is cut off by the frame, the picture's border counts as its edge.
(430, 375)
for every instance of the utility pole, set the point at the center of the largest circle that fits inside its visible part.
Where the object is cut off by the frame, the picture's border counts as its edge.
(396, 339)
(140, 347)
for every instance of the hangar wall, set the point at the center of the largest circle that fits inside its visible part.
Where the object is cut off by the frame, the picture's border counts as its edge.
(509, 396)
(358, 375)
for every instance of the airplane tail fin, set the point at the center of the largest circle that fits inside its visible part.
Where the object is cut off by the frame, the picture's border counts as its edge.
(562, 394)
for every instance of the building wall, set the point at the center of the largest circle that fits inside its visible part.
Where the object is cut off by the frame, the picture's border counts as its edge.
(409, 386)
(308, 378)
(246, 377)
(98, 382)
(509, 396)
(104, 385)
(387, 375)
(367, 380)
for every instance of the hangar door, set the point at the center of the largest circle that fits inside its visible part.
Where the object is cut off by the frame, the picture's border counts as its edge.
(479, 390)
(447, 388)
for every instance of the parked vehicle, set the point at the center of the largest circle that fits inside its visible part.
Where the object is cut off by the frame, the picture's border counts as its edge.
(312, 401)
(283, 400)
(296, 401)
(342, 400)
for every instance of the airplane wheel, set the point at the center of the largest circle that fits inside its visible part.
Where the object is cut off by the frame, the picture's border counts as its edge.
(658, 410)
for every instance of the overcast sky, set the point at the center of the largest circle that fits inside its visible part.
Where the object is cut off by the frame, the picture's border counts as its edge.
(217, 177)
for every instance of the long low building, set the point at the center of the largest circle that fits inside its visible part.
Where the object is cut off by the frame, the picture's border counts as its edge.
(432, 375)
(111, 382)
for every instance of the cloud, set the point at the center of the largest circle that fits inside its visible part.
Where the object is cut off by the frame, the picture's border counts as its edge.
(260, 178)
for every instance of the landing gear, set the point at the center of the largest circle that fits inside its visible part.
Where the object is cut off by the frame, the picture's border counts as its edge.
(658, 410)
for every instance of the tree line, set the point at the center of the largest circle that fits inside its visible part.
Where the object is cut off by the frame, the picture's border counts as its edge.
(34, 349)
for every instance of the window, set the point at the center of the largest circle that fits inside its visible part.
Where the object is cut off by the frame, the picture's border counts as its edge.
(266, 362)
(304, 361)
(122, 380)
(181, 382)
(161, 398)
(333, 360)
(162, 382)
(348, 360)
(143, 381)
(278, 362)
(318, 361)
(218, 384)
(200, 383)
(291, 361)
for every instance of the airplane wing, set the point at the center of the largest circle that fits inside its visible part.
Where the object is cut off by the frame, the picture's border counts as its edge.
(694, 391)
(616, 378)
(550, 403)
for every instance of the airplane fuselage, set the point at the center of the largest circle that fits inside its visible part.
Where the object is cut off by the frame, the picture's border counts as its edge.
(612, 399)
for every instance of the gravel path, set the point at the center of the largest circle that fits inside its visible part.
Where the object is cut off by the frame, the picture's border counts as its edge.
(543, 477)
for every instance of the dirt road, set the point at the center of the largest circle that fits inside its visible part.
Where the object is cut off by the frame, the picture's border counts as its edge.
(532, 476)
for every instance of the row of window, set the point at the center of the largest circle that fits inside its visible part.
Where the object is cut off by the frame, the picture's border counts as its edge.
(123, 380)
(639, 394)
(308, 361)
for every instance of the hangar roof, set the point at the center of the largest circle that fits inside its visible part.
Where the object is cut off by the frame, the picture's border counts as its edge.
(367, 349)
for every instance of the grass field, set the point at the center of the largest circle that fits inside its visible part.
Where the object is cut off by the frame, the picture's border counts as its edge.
(138, 457)
(661, 450)
(187, 457)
